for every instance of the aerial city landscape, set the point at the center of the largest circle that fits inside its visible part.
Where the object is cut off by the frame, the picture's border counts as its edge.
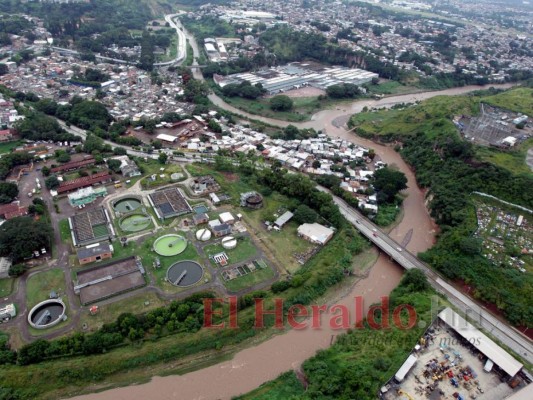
(268, 200)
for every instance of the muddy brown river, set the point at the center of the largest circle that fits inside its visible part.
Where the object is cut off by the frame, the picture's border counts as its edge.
(253, 366)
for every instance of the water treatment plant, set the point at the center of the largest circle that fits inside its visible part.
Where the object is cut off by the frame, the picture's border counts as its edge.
(127, 204)
(135, 222)
(184, 273)
(170, 245)
(47, 314)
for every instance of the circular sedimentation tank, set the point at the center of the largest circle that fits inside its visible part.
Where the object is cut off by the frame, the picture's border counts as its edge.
(126, 205)
(170, 245)
(185, 273)
(135, 222)
(47, 314)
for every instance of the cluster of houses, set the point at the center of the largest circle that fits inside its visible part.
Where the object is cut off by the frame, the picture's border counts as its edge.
(321, 155)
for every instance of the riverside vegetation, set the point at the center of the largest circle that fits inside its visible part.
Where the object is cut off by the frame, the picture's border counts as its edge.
(361, 360)
(451, 168)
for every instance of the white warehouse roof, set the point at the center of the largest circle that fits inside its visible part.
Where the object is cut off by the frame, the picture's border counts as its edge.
(166, 138)
(481, 342)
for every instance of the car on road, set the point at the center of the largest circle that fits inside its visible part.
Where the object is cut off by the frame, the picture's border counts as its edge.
(399, 248)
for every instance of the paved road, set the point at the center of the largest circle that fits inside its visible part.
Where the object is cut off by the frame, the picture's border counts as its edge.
(479, 315)
(182, 42)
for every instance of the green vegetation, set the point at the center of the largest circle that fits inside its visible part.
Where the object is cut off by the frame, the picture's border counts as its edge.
(431, 116)
(64, 231)
(39, 286)
(447, 166)
(286, 386)
(387, 214)
(250, 279)
(8, 146)
(8, 192)
(208, 27)
(38, 126)
(360, 360)
(153, 167)
(77, 23)
(302, 110)
(518, 100)
(512, 159)
(290, 45)
(108, 313)
(281, 103)
(244, 251)
(6, 286)
(21, 236)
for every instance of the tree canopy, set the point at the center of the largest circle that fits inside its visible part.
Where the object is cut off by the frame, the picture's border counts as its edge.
(20, 236)
(281, 103)
(388, 182)
(8, 192)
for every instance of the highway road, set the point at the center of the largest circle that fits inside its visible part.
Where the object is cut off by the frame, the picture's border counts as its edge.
(180, 56)
(478, 315)
(182, 41)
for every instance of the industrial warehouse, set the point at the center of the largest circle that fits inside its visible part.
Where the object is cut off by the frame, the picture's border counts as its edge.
(453, 359)
(296, 75)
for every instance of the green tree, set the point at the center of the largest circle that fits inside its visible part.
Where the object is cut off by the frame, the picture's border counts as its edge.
(114, 165)
(8, 192)
(163, 157)
(305, 214)
(45, 171)
(195, 90)
(281, 103)
(52, 182)
(388, 182)
(92, 143)
(20, 236)
(214, 126)
(62, 156)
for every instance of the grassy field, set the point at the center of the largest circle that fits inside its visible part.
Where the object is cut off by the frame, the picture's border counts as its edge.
(513, 160)
(7, 147)
(109, 312)
(154, 168)
(38, 286)
(172, 51)
(6, 286)
(64, 230)
(245, 250)
(519, 100)
(302, 110)
(250, 279)
(430, 116)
